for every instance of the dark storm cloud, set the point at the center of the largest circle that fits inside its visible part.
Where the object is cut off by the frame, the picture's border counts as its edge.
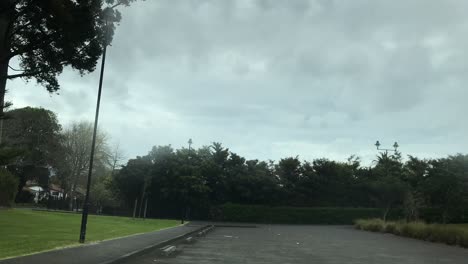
(274, 78)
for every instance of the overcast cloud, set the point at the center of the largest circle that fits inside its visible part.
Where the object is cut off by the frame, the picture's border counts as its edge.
(270, 79)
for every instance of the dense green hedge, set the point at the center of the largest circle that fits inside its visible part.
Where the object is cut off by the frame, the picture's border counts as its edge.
(434, 215)
(323, 215)
(298, 215)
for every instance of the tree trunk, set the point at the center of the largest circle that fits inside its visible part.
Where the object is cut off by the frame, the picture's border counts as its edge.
(444, 216)
(3, 80)
(146, 207)
(386, 211)
(70, 202)
(142, 198)
(135, 207)
(72, 195)
(5, 30)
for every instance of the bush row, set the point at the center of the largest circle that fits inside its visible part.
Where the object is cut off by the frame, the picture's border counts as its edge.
(448, 234)
(435, 215)
(322, 215)
(298, 215)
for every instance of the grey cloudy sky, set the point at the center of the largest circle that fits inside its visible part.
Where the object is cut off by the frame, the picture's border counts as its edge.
(269, 79)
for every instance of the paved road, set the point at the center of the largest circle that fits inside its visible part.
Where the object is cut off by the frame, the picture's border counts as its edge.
(105, 251)
(308, 244)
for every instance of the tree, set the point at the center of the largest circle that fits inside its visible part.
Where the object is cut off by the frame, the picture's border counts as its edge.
(102, 193)
(34, 131)
(387, 186)
(203, 179)
(46, 36)
(170, 179)
(213, 167)
(387, 192)
(289, 173)
(446, 185)
(334, 182)
(129, 181)
(33, 135)
(256, 184)
(412, 203)
(116, 156)
(414, 172)
(74, 156)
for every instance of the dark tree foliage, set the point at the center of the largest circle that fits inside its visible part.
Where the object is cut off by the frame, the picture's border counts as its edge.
(47, 35)
(196, 182)
(130, 180)
(35, 132)
(31, 141)
(446, 184)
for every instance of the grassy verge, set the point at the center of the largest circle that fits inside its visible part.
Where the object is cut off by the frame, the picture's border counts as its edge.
(25, 231)
(448, 234)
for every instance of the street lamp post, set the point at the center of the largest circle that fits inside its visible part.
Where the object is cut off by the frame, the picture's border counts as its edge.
(84, 215)
(395, 147)
(386, 150)
(184, 206)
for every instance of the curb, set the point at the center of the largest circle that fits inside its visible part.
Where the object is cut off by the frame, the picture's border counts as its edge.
(168, 242)
(235, 226)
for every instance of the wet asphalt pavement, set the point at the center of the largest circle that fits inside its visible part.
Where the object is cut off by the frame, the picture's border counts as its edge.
(306, 244)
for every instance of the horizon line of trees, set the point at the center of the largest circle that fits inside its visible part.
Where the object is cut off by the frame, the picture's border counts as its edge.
(193, 183)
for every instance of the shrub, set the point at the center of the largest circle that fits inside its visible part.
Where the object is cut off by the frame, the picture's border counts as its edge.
(359, 224)
(392, 228)
(417, 230)
(374, 225)
(8, 188)
(448, 234)
(463, 239)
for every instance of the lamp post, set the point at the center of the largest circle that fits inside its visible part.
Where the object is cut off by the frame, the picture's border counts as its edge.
(84, 215)
(386, 150)
(187, 210)
(184, 206)
(395, 147)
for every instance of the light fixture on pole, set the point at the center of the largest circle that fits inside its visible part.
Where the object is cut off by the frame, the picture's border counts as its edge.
(395, 147)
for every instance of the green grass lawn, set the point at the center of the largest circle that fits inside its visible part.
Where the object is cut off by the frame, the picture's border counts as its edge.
(26, 231)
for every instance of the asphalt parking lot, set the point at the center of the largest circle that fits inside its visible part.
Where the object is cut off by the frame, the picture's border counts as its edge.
(306, 244)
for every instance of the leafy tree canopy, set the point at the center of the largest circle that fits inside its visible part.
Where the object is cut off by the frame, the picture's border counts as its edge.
(46, 36)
